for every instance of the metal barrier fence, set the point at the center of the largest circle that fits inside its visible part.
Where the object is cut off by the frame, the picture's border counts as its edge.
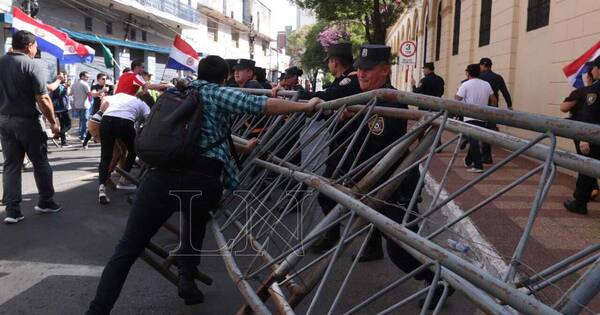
(250, 227)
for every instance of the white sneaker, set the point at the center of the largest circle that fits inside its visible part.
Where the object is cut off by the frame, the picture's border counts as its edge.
(102, 197)
(475, 170)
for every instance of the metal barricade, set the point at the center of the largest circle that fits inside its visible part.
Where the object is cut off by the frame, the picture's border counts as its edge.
(253, 222)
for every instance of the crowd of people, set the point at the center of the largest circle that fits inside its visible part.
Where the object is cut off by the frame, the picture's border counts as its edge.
(117, 110)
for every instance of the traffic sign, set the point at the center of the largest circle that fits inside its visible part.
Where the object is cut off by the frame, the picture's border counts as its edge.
(408, 53)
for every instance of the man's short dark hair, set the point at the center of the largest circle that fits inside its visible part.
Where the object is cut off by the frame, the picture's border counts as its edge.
(429, 65)
(137, 63)
(83, 74)
(344, 61)
(213, 69)
(100, 75)
(126, 69)
(146, 98)
(22, 39)
(473, 70)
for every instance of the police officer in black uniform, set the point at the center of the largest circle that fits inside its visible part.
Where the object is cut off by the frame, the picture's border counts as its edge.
(243, 73)
(431, 83)
(373, 73)
(497, 83)
(260, 76)
(587, 110)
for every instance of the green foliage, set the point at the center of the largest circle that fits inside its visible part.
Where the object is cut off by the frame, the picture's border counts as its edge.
(375, 16)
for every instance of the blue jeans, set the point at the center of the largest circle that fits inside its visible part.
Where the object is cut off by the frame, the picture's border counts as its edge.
(82, 114)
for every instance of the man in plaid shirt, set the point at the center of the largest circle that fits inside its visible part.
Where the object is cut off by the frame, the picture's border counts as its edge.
(215, 170)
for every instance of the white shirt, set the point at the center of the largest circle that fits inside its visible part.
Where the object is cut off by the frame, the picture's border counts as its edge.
(476, 92)
(127, 107)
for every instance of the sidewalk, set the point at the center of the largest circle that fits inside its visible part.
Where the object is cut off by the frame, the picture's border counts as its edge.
(557, 233)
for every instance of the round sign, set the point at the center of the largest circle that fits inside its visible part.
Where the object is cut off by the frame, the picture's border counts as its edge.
(190, 61)
(408, 49)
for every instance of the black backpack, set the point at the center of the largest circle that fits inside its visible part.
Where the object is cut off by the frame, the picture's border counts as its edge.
(170, 137)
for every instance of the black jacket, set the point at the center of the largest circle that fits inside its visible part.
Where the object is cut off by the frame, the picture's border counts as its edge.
(497, 83)
(431, 84)
(342, 86)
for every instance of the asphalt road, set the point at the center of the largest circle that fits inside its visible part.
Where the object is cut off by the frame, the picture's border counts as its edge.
(50, 264)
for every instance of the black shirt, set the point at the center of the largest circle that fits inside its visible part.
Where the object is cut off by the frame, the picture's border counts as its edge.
(250, 84)
(21, 79)
(343, 85)
(97, 100)
(497, 83)
(587, 107)
(431, 84)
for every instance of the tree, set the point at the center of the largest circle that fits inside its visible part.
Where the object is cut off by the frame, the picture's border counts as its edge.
(376, 16)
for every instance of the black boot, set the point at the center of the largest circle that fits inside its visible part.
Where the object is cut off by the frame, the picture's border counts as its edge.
(187, 288)
(572, 205)
(373, 250)
(327, 241)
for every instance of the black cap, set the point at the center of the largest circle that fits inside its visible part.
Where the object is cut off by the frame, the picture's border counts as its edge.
(596, 62)
(293, 71)
(231, 63)
(486, 62)
(429, 65)
(343, 50)
(244, 64)
(372, 55)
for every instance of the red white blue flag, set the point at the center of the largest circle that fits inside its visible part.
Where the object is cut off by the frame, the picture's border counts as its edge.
(53, 41)
(577, 68)
(183, 56)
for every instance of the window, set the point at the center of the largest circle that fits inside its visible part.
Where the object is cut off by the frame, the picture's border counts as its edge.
(132, 35)
(538, 14)
(235, 38)
(485, 22)
(88, 23)
(144, 36)
(109, 28)
(438, 33)
(456, 35)
(258, 21)
(213, 30)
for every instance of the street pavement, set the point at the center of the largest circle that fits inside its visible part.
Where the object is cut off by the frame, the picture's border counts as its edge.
(50, 264)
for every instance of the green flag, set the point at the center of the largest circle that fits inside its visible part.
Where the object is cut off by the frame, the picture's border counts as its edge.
(108, 56)
(109, 60)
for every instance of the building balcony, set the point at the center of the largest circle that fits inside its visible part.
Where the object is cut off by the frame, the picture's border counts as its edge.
(174, 7)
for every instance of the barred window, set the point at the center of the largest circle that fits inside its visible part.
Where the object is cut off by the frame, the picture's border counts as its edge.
(485, 22)
(213, 30)
(109, 29)
(438, 33)
(538, 14)
(456, 35)
(88, 23)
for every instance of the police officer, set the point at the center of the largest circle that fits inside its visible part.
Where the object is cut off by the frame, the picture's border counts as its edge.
(498, 85)
(261, 77)
(431, 83)
(243, 73)
(588, 110)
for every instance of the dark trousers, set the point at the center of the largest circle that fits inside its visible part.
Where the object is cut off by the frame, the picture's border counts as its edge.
(65, 125)
(400, 257)
(486, 148)
(585, 184)
(474, 155)
(111, 129)
(154, 204)
(21, 135)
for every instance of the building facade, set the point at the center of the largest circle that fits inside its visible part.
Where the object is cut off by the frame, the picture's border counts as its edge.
(144, 29)
(529, 42)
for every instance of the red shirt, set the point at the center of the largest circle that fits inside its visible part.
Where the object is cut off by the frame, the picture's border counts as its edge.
(130, 83)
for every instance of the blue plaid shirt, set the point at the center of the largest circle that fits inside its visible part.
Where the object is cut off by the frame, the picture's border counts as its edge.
(220, 103)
